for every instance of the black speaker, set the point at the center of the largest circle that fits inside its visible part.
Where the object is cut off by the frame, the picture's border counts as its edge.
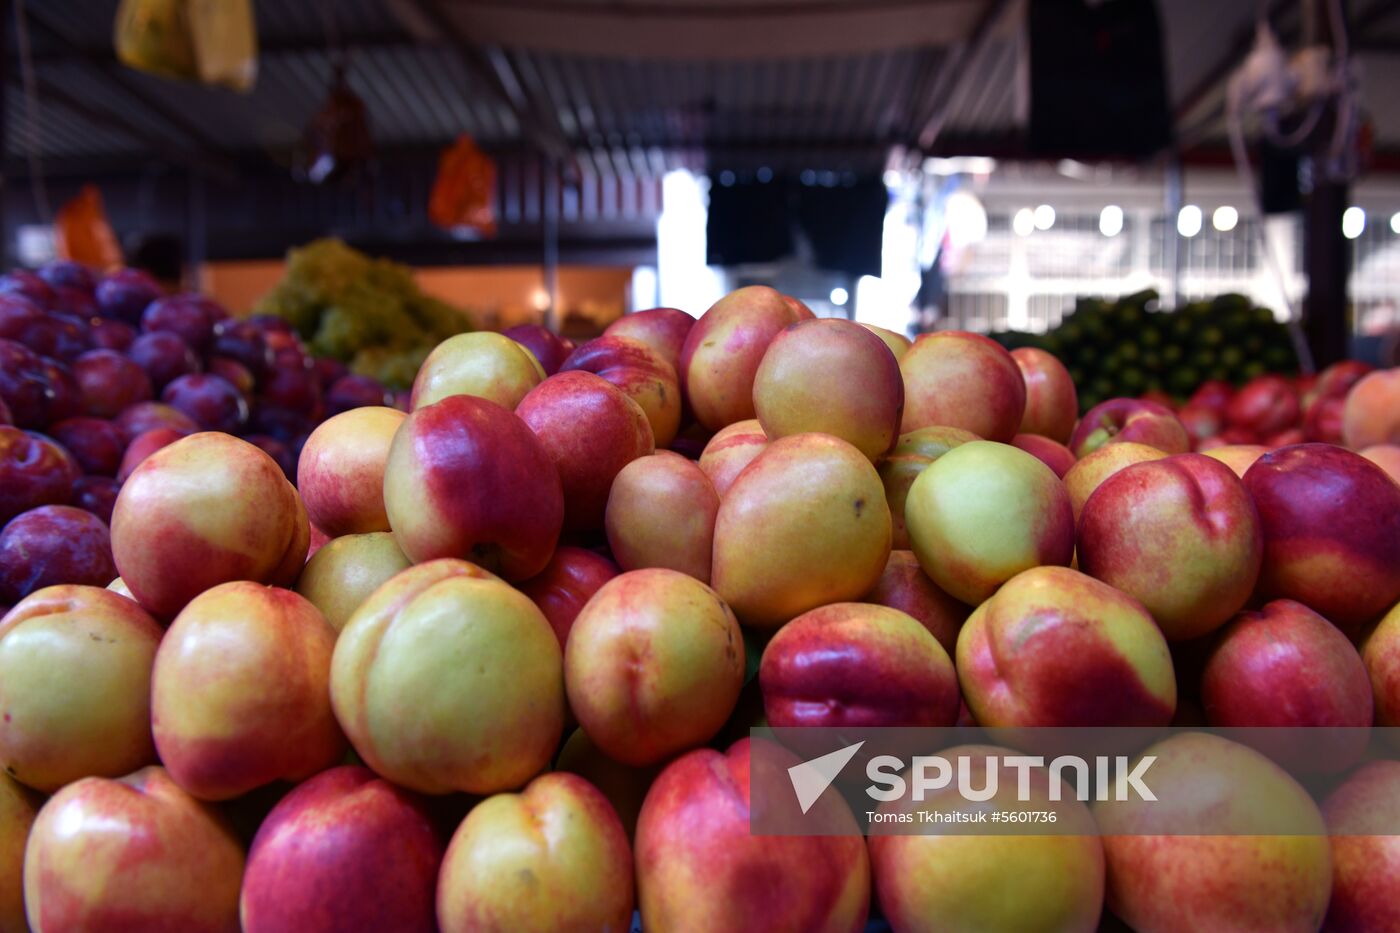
(749, 221)
(846, 224)
(755, 222)
(1098, 79)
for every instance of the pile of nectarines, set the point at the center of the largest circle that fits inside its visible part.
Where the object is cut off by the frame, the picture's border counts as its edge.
(511, 687)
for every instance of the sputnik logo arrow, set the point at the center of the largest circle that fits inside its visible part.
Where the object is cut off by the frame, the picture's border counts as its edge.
(811, 778)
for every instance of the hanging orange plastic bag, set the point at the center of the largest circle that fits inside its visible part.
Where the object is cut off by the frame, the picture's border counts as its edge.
(82, 233)
(464, 193)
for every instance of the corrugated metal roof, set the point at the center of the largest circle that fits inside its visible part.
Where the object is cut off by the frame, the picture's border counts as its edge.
(414, 93)
(647, 101)
(989, 106)
(88, 23)
(628, 112)
(60, 133)
(85, 83)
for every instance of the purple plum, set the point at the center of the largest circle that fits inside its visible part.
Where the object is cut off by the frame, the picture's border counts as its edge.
(164, 356)
(108, 334)
(235, 372)
(65, 398)
(278, 451)
(110, 382)
(75, 302)
(329, 371)
(124, 294)
(147, 416)
(54, 544)
(189, 316)
(97, 494)
(65, 273)
(547, 347)
(269, 323)
(293, 388)
(60, 336)
(212, 403)
(23, 384)
(356, 392)
(244, 343)
(26, 283)
(34, 471)
(17, 315)
(95, 443)
(279, 423)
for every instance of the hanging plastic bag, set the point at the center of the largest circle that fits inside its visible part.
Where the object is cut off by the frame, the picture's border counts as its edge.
(211, 41)
(154, 36)
(338, 141)
(82, 233)
(225, 42)
(464, 193)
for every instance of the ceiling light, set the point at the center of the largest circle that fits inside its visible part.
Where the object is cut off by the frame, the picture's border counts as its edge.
(1111, 220)
(1188, 221)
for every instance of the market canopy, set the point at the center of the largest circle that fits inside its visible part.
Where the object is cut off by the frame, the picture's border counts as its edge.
(630, 87)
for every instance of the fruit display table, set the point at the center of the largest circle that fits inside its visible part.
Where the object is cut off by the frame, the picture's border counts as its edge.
(283, 648)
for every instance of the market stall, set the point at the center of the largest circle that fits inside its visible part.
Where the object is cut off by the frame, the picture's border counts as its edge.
(580, 466)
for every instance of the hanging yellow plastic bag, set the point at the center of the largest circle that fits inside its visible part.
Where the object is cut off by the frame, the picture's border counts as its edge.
(464, 193)
(154, 36)
(225, 42)
(82, 233)
(211, 41)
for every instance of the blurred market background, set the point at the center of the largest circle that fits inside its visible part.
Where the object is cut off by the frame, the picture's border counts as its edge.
(1048, 172)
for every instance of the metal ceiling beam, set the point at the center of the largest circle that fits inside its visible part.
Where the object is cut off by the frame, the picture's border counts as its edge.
(266, 48)
(704, 10)
(493, 67)
(954, 79)
(201, 146)
(51, 93)
(661, 155)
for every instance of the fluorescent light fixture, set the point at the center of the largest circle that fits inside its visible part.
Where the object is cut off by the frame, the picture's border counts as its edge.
(960, 165)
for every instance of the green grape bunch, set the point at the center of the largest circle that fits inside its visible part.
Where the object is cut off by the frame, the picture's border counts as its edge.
(368, 313)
